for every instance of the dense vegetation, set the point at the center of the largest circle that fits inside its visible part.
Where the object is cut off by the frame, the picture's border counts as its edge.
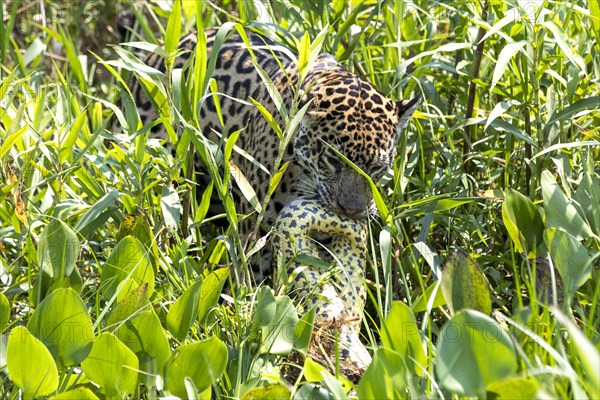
(484, 273)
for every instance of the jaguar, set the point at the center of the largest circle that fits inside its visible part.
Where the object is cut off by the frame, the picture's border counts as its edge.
(320, 194)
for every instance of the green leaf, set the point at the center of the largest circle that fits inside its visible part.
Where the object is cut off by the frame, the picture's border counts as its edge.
(11, 139)
(522, 221)
(128, 259)
(587, 352)
(4, 312)
(473, 351)
(58, 249)
(144, 335)
(421, 303)
(560, 213)
(80, 393)
(314, 372)
(135, 300)
(98, 214)
(399, 332)
(385, 378)
(506, 54)
(567, 112)
(30, 364)
(588, 197)
(211, 289)
(563, 42)
(68, 141)
(202, 362)
(62, 323)
(265, 308)
(277, 337)
(274, 391)
(513, 388)
(173, 34)
(464, 285)
(184, 312)
(303, 331)
(170, 205)
(138, 227)
(570, 258)
(112, 366)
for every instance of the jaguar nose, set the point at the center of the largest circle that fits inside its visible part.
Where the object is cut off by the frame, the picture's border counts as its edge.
(350, 208)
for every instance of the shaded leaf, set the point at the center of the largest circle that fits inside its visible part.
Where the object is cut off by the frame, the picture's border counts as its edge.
(472, 352)
(464, 285)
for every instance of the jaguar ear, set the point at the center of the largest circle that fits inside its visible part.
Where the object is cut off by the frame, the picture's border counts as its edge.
(406, 108)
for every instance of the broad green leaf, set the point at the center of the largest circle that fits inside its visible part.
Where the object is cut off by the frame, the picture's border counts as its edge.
(184, 312)
(62, 323)
(274, 391)
(211, 289)
(277, 337)
(303, 331)
(144, 335)
(385, 378)
(314, 372)
(513, 388)
(570, 258)
(560, 213)
(522, 221)
(265, 308)
(128, 259)
(30, 364)
(79, 393)
(112, 366)
(135, 300)
(138, 227)
(58, 249)
(399, 332)
(4, 312)
(472, 352)
(506, 54)
(464, 285)
(202, 362)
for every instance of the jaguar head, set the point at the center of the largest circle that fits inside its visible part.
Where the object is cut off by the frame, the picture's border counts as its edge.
(352, 116)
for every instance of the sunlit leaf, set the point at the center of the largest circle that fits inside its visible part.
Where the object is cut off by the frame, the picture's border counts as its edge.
(62, 323)
(202, 362)
(30, 364)
(112, 366)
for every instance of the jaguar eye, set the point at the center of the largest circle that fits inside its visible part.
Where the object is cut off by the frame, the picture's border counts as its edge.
(377, 171)
(335, 162)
